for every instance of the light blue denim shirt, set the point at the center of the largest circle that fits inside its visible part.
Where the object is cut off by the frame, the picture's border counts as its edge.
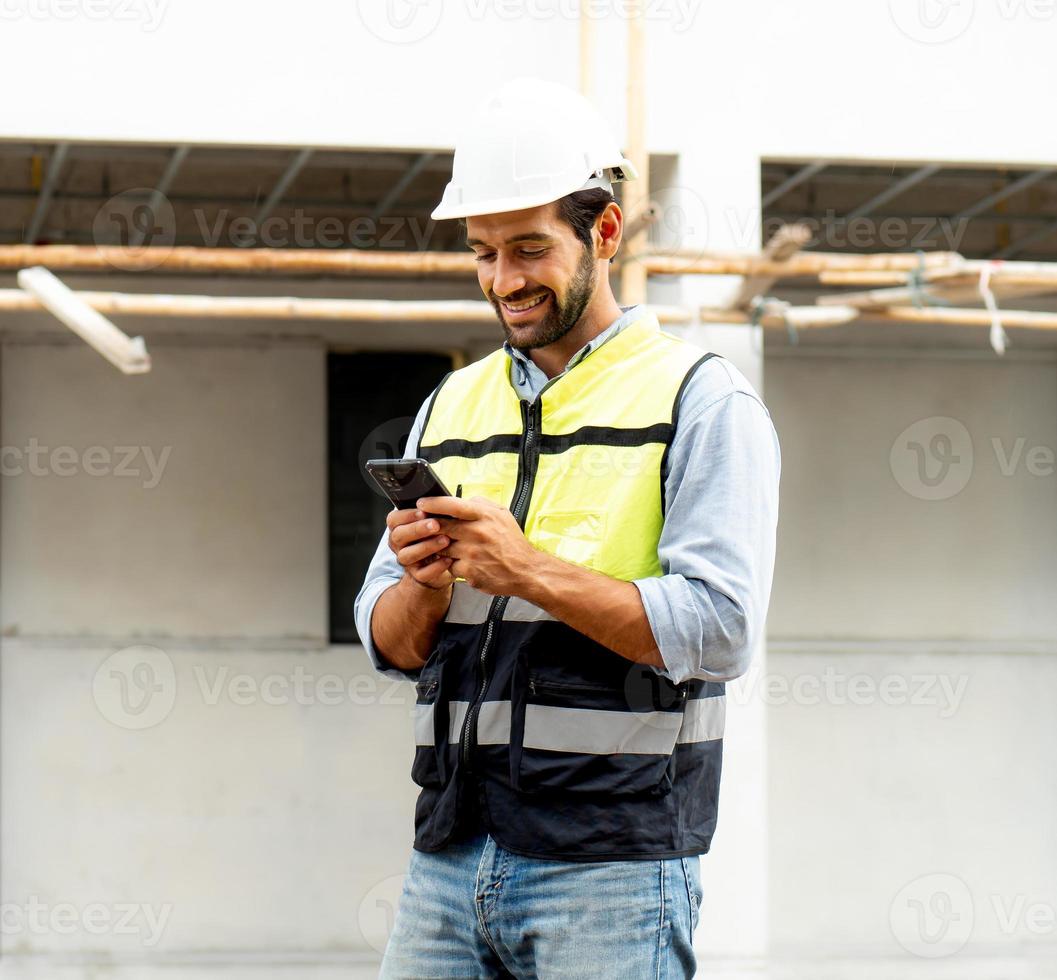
(717, 545)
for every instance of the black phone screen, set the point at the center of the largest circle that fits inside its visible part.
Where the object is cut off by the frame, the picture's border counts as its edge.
(403, 481)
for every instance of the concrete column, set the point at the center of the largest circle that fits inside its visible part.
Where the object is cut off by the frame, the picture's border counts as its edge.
(711, 200)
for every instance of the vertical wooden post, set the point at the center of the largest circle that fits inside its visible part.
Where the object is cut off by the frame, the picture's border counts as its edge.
(636, 192)
(587, 53)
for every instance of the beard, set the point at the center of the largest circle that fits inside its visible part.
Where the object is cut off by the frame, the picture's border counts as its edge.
(562, 315)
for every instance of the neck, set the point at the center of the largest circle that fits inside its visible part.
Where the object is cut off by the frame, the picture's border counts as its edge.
(551, 360)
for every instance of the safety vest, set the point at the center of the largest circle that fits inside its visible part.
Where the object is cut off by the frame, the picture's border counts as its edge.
(570, 750)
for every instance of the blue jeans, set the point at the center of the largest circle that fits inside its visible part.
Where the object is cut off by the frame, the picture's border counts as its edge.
(475, 909)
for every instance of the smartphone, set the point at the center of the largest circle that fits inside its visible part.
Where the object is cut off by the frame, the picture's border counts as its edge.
(403, 481)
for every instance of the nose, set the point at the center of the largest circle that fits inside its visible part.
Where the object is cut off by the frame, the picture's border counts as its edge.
(507, 278)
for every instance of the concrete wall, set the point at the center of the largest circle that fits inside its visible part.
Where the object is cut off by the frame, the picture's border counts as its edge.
(912, 649)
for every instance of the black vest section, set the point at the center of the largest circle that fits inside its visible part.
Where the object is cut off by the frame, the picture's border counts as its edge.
(569, 751)
(557, 791)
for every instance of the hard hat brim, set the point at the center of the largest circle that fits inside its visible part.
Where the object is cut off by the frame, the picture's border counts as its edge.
(473, 209)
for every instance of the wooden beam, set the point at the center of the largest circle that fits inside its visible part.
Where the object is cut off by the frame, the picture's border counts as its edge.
(128, 354)
(802, 264)
(288, 308)
(360, 262)
(800, 317)
(784, 244)
(964, 317)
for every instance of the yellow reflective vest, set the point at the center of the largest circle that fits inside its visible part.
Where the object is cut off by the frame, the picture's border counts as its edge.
(567, 749)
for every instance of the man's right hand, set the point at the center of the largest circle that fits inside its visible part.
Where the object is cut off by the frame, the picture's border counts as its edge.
(413, 538)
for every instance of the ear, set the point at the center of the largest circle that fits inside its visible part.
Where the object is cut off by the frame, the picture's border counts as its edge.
(609, 228)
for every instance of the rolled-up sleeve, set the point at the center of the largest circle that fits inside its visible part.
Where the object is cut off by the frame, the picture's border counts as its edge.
(717, 545)
(383, 572)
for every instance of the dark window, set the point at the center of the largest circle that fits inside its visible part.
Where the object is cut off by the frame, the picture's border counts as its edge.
(372, 400)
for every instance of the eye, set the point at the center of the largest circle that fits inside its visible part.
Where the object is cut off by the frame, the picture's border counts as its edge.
(533, 253)
(482, 258)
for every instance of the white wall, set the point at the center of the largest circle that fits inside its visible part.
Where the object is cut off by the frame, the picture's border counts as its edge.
(912, 652)
(822, 78)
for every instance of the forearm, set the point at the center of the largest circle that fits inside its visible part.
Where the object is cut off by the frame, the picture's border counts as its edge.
(606, 609)
(405, 620)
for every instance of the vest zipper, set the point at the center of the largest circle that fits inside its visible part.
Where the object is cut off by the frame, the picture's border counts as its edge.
(531, 423)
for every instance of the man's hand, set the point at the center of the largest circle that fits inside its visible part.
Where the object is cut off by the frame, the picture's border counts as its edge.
(414, 540)
(489, 549)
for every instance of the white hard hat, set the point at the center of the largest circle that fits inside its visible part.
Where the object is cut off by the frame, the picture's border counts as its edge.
(531, 143)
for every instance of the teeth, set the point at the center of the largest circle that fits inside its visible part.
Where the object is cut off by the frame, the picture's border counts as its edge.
(525, 306)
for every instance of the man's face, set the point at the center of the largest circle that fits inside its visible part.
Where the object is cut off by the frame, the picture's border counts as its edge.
(533, 260)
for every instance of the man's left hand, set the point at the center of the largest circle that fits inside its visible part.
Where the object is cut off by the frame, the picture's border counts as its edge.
(490, 550)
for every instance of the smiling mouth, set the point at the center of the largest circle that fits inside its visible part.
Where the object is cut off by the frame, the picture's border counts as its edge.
(516, 309)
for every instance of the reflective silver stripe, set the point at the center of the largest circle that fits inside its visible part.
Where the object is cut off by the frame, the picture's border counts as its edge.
(456, 716)
(470, 605)
(493, 723)
(705, 720)
(523, 611)
(423, 724)
(423, 721)
(599, 732)
(588, 730)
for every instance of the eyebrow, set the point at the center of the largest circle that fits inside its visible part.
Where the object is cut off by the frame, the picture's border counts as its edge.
(528, 236)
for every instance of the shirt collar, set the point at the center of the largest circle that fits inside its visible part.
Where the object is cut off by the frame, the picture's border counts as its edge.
(629, 314)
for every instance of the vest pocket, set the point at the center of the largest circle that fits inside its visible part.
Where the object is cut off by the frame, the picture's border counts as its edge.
(573, 535)
(572, 736)
(431, 730)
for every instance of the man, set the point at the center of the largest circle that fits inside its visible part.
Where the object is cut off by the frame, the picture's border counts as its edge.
(571, 620)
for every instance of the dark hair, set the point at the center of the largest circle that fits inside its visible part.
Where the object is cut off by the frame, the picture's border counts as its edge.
(579, 210)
